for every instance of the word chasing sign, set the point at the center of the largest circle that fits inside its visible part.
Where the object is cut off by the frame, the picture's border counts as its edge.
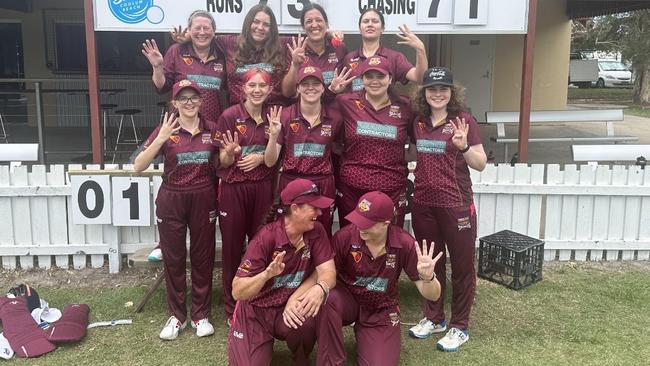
(422, 16)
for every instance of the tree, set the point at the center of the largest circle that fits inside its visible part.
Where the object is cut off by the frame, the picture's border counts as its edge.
(626, 33)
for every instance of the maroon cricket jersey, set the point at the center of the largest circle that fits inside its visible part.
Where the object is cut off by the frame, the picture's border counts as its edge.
(181, 62)
(307, 149)
(328, 61)
(189, 160)
(374, 140)
(373, 281)
(298, 264)
(253, 138)
(400, 66)
(441, 176)
(235, 73)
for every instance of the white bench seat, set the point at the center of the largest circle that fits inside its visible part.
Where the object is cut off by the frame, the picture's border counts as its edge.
(596, 153)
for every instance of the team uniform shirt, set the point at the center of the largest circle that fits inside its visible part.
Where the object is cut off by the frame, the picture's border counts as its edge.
(181, 62)
(307, 149)
(373, 281)
(374, 142)
(327, 62)
(253, 138)
(298, 264)
(235, 73)
(400, 65)
(189, 159)
(441, 176)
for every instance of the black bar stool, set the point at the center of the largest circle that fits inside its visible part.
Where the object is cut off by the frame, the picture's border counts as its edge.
(136, 141)
(163, 108)
(106, 109)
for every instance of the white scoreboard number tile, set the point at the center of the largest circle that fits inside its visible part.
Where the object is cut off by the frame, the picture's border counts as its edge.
(91, 199)
(131, 201)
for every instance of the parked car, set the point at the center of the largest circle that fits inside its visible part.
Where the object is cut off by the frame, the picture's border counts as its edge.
(583, 72)
(613, 73)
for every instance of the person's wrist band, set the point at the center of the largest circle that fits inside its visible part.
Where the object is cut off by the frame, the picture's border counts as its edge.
(326, 290)
(466, 149)
(427, 280)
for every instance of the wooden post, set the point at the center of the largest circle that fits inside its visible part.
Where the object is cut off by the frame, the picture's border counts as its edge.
(527, 82)
(93, 84)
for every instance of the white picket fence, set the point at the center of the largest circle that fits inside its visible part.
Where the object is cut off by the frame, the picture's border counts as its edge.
(587, 213)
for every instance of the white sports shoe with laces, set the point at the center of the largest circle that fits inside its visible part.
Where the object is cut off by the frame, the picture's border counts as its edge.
(172, 328)
(453, 340)
(203, 327)
(425, 328)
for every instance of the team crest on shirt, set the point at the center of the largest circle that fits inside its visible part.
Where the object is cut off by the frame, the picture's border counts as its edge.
(356, 255)
(391, 259)
(188, 60)
(294, 125)
(394, 111)
(326, 130)
(275, 254)
(245, 266)
(364, 205)
(175, 138)
(354, 64)
(421, 125)
(306, 254)
(217, 67)
(394, 319)
(360, 105)
(448, 129)
(332, 58)
(241, 126)
(206, 138)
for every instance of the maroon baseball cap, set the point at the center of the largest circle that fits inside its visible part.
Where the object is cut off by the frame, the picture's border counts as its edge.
(185, 84)
(373, 207)
(377, 63)
(310, 71)
(301, 191)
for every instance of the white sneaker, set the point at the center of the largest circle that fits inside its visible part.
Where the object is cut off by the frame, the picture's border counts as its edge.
(425, 328)
(155, 255)
(203, 327)
(453, 340)
(172, 328)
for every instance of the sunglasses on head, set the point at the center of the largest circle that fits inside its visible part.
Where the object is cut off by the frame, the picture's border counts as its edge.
(311, 191)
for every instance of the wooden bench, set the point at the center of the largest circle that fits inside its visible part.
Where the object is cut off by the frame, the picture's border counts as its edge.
(607, 116)
(596, 153)
(18, 152)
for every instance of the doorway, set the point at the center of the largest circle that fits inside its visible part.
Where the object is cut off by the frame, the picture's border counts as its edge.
(13, 104)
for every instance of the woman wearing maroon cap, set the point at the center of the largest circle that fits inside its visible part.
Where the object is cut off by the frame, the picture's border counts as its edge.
(307, 133)
(246, 188)
(447, 143)
(186, 200)
(282, 281)
(199, 60)
(376, 128)
(370, 255)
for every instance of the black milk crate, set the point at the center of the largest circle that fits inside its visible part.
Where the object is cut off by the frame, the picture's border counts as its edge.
(511, 259)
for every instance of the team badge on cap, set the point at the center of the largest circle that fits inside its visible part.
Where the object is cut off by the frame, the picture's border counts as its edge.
(308, 70)
(364, 206)
(184, 83)
(374, 61)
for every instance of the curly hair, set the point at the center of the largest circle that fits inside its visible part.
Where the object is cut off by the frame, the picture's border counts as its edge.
(456, 102)
(246, 46)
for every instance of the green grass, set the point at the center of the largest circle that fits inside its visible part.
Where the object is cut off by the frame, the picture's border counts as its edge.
(637, 111)
(591, 314)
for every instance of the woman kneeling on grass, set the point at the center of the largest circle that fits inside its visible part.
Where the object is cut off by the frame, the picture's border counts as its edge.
(370, 255)
(284, 277)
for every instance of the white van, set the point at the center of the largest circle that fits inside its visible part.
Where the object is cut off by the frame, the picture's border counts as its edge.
(613, 73)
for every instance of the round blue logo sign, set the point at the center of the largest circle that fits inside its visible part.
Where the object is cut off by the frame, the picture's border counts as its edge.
(130, 11)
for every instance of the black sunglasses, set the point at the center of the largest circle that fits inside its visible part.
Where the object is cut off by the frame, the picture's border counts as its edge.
(312, 191)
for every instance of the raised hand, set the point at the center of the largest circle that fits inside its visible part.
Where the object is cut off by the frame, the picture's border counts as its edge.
(168, 127)
(179, 34)
(297, 50)
(230, 144)
(275, 126)
(341, 80)
(409, 38)
(250, 162)
(426, 262)
(461, 128)
(152, 53)
(276, 266)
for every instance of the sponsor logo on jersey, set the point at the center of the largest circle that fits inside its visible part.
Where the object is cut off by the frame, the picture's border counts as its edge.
(326, 130)
(332, 58)
(206, 82)
(237, 334)
(306, 254)
(217, 67)
(193, 157)
(252, 149)
(357, 84)
(386, 132)
(431, 146)
(373, 284)
(464, 223)
(291, 280)
(206, 138)
(394, 111)
(328, 76)
(394, 319)
(263, 66)
(448, 129)
(309, 150)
